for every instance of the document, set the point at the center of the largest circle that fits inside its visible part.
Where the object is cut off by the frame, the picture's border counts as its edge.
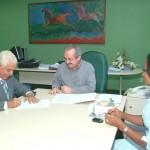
(73, 98)
(56, 65)
(48, 66)
(41, 104)
(96, 111)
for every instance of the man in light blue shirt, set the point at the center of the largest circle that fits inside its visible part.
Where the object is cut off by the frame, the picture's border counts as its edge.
(136, 141)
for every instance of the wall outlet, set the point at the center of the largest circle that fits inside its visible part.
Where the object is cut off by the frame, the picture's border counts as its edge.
(141, 79)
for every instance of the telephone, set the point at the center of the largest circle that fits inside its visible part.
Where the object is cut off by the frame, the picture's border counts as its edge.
(140, 91)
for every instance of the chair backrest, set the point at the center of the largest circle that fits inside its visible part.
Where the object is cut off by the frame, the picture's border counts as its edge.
(99, 62)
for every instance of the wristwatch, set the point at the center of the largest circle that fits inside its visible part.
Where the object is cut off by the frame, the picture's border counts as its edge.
(125, 129)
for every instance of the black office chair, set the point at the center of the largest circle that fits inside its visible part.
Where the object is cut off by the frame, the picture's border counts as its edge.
(99, 62)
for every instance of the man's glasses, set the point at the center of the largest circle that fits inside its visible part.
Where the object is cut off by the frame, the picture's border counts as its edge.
(69, 59)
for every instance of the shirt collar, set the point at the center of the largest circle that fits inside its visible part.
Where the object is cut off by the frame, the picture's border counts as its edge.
(1, 81)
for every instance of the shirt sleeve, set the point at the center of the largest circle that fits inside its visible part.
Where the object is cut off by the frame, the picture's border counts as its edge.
(57, 83)
(2, 105)
(5, 105)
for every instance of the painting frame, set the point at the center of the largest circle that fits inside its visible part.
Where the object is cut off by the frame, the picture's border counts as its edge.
(77, 22)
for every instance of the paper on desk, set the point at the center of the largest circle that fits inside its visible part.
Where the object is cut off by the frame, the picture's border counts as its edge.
(73, 98)
(99, 111)
(41, 104)
(56, 65)
(44, 67)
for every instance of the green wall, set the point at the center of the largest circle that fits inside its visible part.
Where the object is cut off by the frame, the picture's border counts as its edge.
(127, 27)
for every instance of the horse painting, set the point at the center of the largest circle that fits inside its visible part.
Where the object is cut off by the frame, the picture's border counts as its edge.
(58, 19)
(74, 21)
(82, 15)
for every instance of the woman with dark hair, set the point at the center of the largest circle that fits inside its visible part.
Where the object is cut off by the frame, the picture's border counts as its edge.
(114, 117)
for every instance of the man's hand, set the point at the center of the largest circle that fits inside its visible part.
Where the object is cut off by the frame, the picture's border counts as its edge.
(31, 98)
(113, 120)
(55, 91)
(66, 89)
(13, 103)
(116, 112)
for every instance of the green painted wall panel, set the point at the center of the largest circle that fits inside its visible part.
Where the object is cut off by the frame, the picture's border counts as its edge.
(127, 28)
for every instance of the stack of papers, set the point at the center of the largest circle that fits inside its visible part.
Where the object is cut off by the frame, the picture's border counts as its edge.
(48, 66)
(55, 66)
(44, 67)
(113, 69)
(73, 98)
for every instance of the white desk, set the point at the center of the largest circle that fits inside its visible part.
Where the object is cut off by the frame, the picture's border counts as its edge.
(59, 127)
(124, 73)
(46, 77)
(36, 76)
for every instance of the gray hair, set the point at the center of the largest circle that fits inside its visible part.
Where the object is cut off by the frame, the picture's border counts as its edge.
(6, 57)
(76, 48)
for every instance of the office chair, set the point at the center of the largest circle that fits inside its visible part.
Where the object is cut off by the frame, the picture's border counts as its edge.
(99, 62)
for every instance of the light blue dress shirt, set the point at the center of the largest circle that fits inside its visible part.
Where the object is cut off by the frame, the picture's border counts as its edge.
(128, 144)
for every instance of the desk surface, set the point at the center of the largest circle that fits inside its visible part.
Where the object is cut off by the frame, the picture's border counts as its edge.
(125, 72)
(34, 70)
(122, 72)
(58, 127)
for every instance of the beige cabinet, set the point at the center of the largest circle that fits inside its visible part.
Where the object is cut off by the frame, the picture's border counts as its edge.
(135, 105)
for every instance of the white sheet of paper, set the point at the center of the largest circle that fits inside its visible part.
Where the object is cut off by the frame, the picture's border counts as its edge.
(73, 98)
(44, 67)
(40, 104)
(99, 111)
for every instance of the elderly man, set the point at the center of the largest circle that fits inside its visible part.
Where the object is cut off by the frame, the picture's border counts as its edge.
(74, 75)
(9, 86)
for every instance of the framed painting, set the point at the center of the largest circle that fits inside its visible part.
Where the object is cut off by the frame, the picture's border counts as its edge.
(67, 22)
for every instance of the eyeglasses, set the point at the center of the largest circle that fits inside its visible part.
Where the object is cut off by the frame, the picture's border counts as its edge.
(69, 59)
